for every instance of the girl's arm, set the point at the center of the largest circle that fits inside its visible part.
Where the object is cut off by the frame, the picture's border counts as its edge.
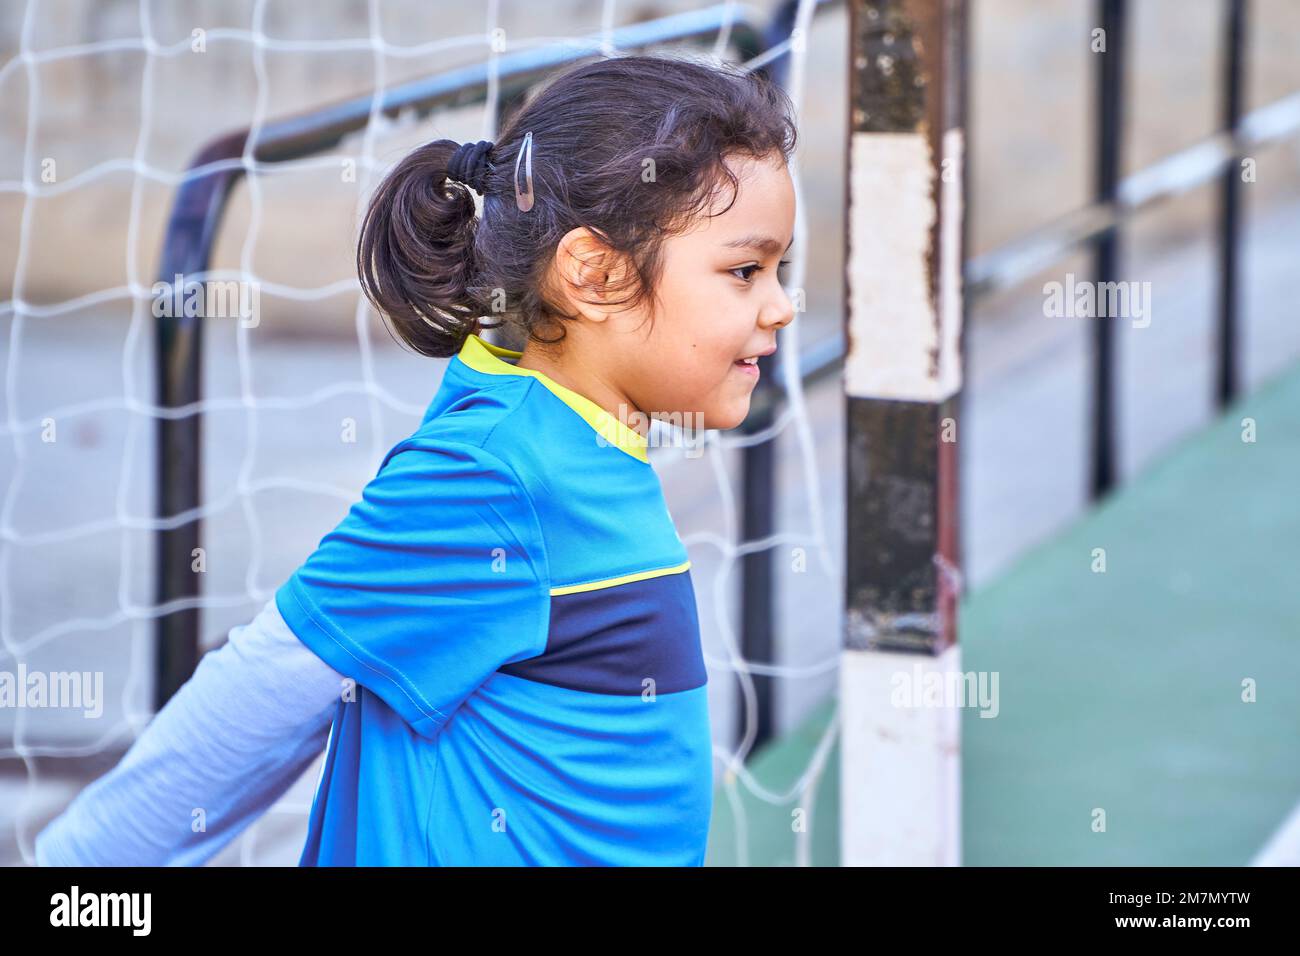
(226, 746)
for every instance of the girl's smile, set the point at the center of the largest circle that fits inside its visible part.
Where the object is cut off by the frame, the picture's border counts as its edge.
(749, 366)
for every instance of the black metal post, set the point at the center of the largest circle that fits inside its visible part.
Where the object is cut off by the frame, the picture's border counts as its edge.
(1109, 121)
(757, 596)
(1110, 130)
(1228, 378)
(178, 351)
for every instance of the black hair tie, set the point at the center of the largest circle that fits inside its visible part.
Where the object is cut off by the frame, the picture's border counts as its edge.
(469, 165)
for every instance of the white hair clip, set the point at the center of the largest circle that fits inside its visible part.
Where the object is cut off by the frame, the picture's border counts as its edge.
(524, 197)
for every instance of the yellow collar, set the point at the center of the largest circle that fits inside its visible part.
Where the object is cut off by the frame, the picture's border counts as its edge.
(483, 356)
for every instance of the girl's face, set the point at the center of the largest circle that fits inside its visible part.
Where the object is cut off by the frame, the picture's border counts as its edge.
(720, 302)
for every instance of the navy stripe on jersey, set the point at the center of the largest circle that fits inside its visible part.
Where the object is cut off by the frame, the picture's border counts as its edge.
(613, 640)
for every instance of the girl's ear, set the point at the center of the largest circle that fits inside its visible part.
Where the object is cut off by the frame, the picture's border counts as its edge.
(590, 273)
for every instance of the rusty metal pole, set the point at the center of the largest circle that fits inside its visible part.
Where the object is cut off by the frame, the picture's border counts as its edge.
(900, 770)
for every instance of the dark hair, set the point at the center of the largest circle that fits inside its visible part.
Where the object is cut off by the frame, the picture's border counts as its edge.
(437, 272)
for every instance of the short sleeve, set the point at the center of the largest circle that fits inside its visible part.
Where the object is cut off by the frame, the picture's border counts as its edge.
(436, 577)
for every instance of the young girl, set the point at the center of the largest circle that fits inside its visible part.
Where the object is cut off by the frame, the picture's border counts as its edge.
(503, 629)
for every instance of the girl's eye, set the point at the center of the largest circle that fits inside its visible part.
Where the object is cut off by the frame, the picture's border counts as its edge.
(752, 269)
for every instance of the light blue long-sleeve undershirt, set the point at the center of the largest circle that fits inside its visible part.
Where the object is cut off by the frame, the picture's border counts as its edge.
(229, 743)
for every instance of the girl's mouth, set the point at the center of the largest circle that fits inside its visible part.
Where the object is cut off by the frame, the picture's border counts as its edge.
(749, 366)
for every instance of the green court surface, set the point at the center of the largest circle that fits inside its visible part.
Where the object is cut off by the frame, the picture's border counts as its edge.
(1120, 691)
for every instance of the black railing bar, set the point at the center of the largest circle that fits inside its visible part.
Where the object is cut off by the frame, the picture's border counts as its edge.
(298, 136)
(1164, 179)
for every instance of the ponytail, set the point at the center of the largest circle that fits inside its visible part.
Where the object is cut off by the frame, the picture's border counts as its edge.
(416, 256)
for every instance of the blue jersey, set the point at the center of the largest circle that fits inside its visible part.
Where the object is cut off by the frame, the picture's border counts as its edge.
(515, 606)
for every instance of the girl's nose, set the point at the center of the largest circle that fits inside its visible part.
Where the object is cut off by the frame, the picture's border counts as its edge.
(780, 314)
